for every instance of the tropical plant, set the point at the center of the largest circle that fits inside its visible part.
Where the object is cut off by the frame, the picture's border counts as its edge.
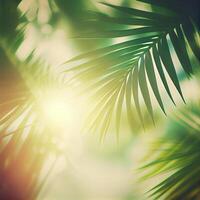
(152, 40)
(119, 72)
(178, 158)
(143, 45)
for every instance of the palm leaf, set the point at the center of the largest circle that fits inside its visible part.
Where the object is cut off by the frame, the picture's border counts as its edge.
(146, 48)
(178, 157)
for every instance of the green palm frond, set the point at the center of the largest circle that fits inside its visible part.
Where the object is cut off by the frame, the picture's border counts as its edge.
(119, 72)
(178, 158)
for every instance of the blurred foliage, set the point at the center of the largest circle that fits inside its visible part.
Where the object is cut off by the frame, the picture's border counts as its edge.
(178, 157)
(23, 144)
(181, 6)
(138, 52)
(8, 17)
(73, 9)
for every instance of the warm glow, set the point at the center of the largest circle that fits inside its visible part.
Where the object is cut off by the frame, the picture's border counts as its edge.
(56, 109)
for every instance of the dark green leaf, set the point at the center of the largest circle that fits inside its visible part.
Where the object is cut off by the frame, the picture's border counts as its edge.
(144, 88)
(160, 71)
(152, 79)
(168, 63)
(190, 33)
(180, 48)
(140, 13)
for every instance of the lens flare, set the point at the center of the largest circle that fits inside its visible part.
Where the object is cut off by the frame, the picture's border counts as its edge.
(56, 108)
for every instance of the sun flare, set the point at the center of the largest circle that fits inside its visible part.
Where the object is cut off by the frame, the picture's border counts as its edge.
(56, 109)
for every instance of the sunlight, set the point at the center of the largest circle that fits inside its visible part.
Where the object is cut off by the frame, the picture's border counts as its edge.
(57, 109)
(99, 100)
